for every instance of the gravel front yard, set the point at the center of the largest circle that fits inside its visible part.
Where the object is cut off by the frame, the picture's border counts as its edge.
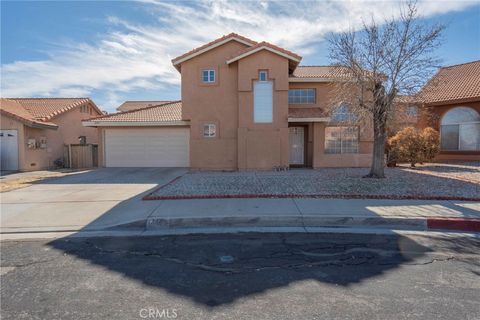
(429, 181)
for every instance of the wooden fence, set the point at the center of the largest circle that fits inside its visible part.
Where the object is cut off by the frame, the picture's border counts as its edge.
(81, 156)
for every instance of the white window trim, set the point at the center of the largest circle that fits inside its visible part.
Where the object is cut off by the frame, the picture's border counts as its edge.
(257, 114)
(212, 130)
(208, 76)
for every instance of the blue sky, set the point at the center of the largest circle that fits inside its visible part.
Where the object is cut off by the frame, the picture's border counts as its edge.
(114, 51)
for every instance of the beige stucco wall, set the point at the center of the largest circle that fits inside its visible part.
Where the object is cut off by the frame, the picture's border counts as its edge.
(316, 156)
(69, 129)
(212, 103)
(263, 145)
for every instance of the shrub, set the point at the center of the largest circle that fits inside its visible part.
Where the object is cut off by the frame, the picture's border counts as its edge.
(413, 146)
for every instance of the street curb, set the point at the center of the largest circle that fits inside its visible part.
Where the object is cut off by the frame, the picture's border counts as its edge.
(460, 224)
(295, 221)
(151, 196)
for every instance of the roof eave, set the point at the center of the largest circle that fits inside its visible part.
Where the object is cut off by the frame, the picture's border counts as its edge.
(179, 60)
(100, 123)
(297, 79)
(280, 53)
(312, 119)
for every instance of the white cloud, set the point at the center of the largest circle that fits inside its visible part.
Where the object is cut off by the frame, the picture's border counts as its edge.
(135, 56)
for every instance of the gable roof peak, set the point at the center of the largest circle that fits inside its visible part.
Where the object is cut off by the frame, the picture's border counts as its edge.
(211, 45)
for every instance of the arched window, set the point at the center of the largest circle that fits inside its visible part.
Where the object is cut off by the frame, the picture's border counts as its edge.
(342, 114)
(460, 129)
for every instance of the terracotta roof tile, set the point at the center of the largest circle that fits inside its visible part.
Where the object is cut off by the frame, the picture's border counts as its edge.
(329, 72)
(306, 113)
(211, 43)
(266, 44)
(17, 111)
(133, 105)
(46, 108)
(160, 113)
(458, 82)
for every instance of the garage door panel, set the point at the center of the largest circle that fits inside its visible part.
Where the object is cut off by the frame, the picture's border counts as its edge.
(158, 147)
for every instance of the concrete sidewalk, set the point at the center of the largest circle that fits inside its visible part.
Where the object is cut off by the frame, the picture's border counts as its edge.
(233, 213)
(307, 213)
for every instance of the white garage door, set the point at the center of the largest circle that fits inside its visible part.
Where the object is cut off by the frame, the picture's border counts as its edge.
(152, 147)
(9, 149)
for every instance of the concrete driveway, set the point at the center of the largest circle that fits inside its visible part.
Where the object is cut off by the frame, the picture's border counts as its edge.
(90, 200)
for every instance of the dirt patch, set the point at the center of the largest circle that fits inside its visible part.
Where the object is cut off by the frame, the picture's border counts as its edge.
(26, 179)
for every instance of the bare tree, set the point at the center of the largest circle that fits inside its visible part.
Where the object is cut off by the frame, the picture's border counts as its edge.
(384, 61)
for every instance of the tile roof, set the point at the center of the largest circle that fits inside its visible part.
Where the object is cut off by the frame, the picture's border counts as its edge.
(329, 72)
(16, 110)
(212, 43)
(44, 109)
(458, 82)
(259, 45)
(133, 105)
(306, 113)
(160, 113)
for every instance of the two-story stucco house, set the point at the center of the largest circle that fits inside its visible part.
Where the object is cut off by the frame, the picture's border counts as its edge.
(245, 105)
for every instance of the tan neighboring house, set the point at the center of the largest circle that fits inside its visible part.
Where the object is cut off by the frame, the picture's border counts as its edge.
(33, 131)
(451, 100)
(245, 105)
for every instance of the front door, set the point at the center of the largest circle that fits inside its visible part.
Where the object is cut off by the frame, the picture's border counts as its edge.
(296, 139)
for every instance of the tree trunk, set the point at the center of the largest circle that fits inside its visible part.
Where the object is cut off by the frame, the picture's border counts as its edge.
(378, 160)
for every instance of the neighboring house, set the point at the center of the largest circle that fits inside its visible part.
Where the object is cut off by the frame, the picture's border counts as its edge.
(33, 131)
(451, 100)
(245, 105)
(133, 105)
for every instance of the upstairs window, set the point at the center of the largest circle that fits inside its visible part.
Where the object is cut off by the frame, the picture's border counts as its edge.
(301, 96)
(263, 102)
(209, 130)
(208, 76)
(342, 114)
(412, 111)
(263, 76)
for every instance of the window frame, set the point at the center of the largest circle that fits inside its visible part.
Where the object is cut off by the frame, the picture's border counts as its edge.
(256, 112)
(342, 148)
(209, 133)
(263, 72)
(459, 126)
(210, 76)
(292, 95)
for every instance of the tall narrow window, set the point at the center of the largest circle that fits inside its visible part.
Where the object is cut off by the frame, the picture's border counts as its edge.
(208, 76)
(263, 102)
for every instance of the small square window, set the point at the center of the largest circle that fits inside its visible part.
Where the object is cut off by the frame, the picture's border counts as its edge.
(209, 130)
(208, 76)
(263, 76)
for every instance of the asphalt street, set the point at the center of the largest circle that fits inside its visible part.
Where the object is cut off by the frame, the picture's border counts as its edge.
(242, 276)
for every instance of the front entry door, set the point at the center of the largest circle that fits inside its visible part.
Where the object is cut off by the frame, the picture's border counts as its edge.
(296, 139)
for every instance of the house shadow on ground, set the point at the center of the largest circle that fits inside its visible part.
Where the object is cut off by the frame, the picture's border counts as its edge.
(217, 269)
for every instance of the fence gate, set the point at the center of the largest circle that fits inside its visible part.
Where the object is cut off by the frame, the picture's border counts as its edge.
(81, 156)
